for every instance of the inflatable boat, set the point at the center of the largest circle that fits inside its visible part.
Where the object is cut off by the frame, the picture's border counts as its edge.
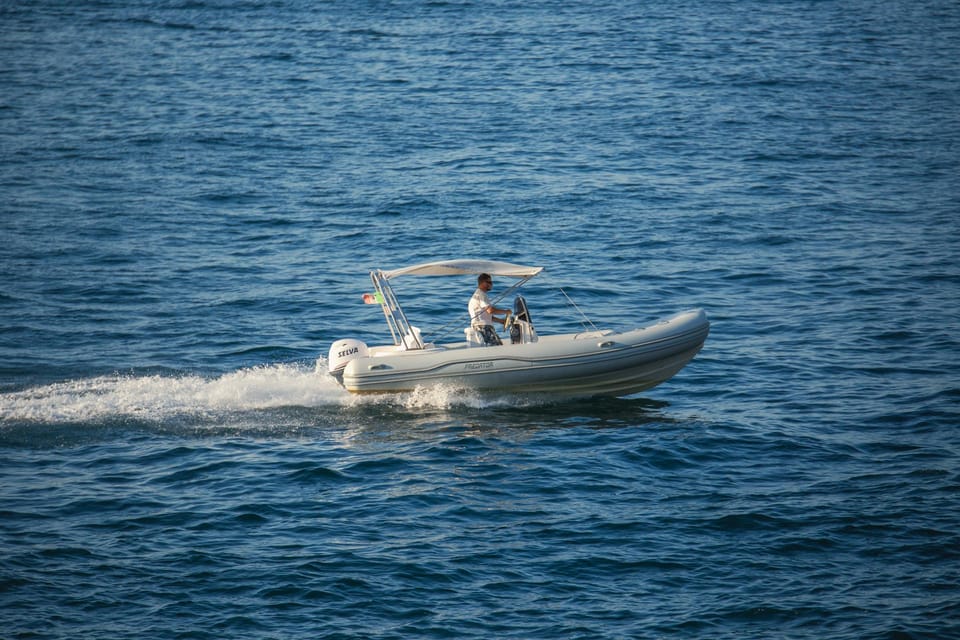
(600, 362)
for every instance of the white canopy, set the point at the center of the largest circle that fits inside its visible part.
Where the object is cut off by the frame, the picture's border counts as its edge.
(465, 267)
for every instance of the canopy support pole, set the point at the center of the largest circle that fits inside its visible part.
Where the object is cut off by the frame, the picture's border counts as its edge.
(400, 329)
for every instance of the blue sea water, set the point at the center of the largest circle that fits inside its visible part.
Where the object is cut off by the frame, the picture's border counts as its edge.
(193, 191)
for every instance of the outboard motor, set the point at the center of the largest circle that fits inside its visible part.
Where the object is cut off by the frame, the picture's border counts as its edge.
(342, 352)
(521, 331)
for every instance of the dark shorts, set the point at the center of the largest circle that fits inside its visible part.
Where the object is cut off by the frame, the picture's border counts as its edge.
(489, 335)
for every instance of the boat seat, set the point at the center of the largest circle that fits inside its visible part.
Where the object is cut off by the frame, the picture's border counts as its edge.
(472, 337)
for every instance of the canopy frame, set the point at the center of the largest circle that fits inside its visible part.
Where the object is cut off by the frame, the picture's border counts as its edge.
(402, 332)
(465, 267)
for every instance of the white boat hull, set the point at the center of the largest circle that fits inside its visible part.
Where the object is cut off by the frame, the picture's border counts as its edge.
(590, 363)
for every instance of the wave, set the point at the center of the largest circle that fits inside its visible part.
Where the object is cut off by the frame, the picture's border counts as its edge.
(266, 387)
(159, 397)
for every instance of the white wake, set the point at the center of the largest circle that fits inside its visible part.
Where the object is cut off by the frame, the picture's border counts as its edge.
(159, 397)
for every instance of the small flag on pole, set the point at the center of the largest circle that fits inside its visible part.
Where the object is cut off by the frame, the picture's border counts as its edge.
(372, 298)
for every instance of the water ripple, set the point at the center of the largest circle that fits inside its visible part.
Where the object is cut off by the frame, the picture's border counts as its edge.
(194, 191)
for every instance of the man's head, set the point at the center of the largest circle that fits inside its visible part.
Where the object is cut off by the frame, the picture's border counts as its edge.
(485, 282)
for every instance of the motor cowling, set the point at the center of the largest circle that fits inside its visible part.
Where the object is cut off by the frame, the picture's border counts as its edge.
(342, 352)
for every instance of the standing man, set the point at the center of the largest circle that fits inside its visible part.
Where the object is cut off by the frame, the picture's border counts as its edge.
(482, 311)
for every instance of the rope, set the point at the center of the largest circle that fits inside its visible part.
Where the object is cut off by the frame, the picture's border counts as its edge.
(589, 321)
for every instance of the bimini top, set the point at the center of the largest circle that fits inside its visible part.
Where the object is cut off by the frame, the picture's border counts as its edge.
(465, 267)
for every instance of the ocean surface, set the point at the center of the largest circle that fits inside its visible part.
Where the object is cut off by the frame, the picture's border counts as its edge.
(192, 193)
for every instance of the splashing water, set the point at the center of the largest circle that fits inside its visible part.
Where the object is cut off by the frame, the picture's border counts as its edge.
(159, 397)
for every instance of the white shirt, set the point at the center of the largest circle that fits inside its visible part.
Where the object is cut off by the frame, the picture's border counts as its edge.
(478, 308)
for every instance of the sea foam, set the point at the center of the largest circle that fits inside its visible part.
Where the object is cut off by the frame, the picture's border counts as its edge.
(160, 396)
(266, 387)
